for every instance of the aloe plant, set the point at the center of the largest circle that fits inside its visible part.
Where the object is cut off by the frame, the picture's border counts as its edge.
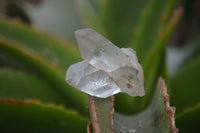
(34, 96)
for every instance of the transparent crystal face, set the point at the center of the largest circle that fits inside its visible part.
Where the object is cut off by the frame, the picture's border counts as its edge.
(107, 69)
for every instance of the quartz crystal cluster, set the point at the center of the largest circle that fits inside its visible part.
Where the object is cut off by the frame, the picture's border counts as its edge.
(106, 69)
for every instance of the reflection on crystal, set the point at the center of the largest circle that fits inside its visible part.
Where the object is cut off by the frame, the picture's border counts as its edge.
(107, 69)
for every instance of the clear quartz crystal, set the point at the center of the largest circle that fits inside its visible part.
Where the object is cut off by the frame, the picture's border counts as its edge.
(107, 69)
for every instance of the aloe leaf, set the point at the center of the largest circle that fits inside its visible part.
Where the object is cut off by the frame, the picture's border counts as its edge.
(34, 117)
(101, 112)
(47, 71)
(53, 50)
(127, 108)
(188, 120)
(154, 56)
(148, 28)
(120, 19)
(154, 64)
(185, 83)
(19, 84)
(157, 118)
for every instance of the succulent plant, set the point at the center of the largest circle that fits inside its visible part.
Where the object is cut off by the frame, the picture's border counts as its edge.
(34, 96)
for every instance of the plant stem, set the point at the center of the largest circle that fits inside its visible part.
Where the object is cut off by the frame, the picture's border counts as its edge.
(102, 113)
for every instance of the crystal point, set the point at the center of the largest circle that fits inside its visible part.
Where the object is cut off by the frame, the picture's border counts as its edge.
(107, 69)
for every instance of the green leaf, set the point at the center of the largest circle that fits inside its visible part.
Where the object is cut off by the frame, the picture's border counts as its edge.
(185, 86)
(48, 72)
(120, 19)
(123, 18)
(18, 84)
(101, 112)
(154, 64)
(127, 108)
(33, 117)
(157, 118)
(188, 120)
(53, 50)
(148, 29)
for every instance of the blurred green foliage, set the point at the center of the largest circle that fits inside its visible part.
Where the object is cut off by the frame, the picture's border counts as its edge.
(33, 66)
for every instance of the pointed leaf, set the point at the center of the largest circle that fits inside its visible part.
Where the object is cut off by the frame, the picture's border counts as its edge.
(48, 72)
(154, 64)
(121, 18)
(34, 117)
(147, 31)
(53, 50)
